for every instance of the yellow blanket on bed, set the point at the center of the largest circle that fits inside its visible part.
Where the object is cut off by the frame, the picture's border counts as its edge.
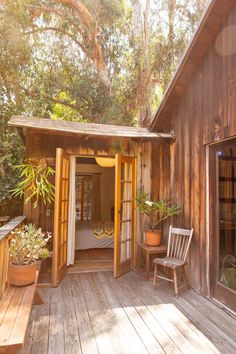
(103, 229)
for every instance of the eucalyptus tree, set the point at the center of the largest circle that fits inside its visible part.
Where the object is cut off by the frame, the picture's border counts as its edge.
(93, 60)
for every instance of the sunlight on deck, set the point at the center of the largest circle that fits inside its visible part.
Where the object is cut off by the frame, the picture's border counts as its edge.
(94, 313)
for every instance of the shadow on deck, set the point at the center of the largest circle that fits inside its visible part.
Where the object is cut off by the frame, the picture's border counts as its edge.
(94, 313)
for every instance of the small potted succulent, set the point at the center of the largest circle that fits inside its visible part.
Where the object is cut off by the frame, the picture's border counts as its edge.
(26, 248)
(157, 211)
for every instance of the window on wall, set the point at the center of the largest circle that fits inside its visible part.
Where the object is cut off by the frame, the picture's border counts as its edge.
(84, 198)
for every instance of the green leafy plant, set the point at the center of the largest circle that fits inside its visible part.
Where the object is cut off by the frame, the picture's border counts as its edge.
(28, 245)
(34, 183)
(157, 211)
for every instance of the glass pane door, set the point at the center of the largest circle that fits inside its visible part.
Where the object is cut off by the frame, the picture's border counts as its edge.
(223, 223)
(125, 234)
(227, 217)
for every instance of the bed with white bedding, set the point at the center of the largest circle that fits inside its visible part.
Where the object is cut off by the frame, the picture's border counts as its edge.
(94, 235)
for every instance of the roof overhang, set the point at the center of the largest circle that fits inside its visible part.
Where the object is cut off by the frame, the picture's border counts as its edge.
(210, 23)
(49, 126)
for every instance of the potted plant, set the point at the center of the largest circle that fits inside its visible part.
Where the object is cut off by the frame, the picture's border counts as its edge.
(157, 211)
(28, 246)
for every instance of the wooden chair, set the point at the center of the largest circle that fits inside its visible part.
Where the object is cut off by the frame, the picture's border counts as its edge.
(177, 250)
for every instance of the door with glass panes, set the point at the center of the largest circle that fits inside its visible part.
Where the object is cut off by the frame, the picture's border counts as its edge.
(223, 223)
(125, 215)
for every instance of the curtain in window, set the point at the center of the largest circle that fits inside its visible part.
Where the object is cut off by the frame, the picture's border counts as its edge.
(96, 212)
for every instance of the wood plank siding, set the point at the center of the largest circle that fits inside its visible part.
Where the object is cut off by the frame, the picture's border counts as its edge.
(209, 26)
(204, 114)
(41, 145)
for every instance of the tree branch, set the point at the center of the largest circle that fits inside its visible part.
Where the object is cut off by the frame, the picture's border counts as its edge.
(59, 30)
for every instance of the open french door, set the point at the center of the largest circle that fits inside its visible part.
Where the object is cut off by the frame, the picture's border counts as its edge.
(60, 216)
(125, 215)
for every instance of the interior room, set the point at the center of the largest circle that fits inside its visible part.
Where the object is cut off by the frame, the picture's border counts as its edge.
(92, 248)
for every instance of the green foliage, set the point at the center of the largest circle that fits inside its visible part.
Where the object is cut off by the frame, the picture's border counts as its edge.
(11, 153)
(62, 112)
(34, 183)
(28, 245)
(157, 211)
(49, 63)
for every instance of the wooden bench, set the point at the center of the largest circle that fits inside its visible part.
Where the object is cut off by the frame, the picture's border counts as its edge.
(15, 308)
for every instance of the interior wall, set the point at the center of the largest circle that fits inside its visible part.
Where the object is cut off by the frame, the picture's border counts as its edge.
(107, 186)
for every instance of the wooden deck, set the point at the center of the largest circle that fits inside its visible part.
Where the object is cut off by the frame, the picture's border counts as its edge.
(94, 313)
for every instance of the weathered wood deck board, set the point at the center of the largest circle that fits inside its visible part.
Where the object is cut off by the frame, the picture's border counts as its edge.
(56, 327)
(87, 338)
(94, 313)
(135, 344)
(98, 318)
(41, 326)
(71, 330)
(149, 341)
(153, 325)
(163, 315)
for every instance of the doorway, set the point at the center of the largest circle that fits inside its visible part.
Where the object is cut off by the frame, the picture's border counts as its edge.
(223, 223)
(93, 229)
(65, 212)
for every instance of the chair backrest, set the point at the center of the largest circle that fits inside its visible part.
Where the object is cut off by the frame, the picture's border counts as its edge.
(178, 242)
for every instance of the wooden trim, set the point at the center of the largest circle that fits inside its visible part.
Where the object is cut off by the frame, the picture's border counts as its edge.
(5, 237)
(229, 299)
(213, 216)
(88, 130)
(117, 216)
(56, 216)
(217, 290)
(134, 242)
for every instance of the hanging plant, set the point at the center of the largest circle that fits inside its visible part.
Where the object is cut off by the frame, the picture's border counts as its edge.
(34, 183)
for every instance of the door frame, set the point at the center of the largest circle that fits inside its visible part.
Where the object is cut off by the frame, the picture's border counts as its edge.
(218, 291)
(134, 245)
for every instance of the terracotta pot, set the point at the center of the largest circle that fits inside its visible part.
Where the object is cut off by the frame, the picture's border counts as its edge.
(152, 238)
(22, 275)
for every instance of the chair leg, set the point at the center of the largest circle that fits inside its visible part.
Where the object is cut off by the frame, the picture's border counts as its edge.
(155, 276)
(185, 275)
(175, 282)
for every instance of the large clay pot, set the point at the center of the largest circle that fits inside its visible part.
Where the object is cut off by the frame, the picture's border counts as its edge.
(22, 275)
(153, 238)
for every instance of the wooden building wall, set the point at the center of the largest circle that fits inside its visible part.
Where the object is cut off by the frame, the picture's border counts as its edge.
(43, 146)
(205, 114)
